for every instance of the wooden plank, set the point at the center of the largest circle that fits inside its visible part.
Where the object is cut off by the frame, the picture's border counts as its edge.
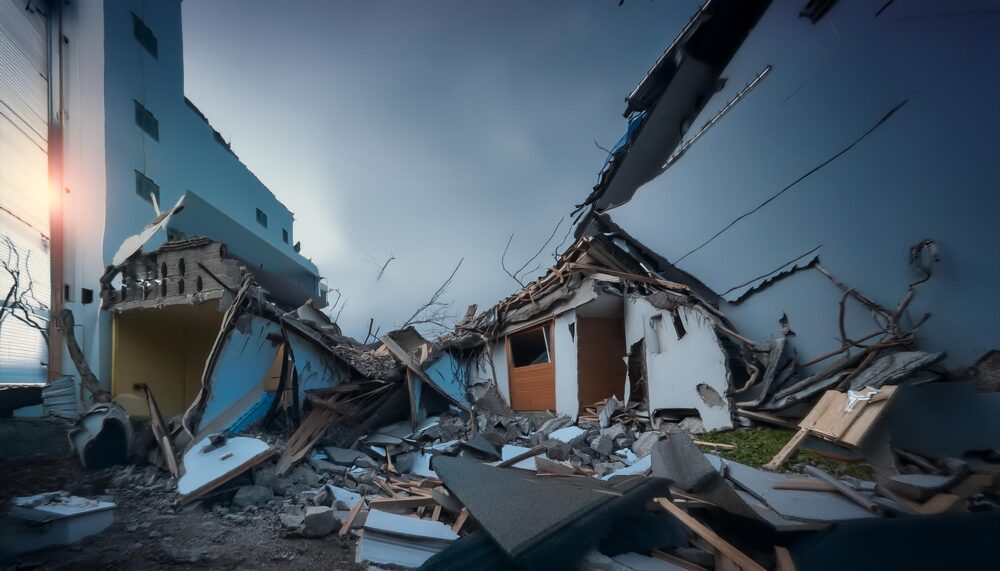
(718, 445)
(351, 515)
(849, 492)
(460, 520)
(436, 514)
(767, 418)
(531, 453)
(787, 450)
(700, 529)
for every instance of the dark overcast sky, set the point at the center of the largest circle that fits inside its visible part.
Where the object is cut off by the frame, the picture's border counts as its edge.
(425, 130)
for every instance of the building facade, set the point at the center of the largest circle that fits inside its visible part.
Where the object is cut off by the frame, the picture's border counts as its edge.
(99, 139)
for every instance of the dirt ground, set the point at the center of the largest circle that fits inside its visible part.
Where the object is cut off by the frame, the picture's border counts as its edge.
(152, 532)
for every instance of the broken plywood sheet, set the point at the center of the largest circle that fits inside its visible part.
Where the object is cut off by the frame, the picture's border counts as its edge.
(207, 466)
(794, 504)
(316, 368)
(685, 361)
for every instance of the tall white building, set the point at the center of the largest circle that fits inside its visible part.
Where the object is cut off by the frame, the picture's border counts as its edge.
(95, 134)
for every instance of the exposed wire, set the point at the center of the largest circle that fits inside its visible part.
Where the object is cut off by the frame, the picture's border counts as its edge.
(797, 181)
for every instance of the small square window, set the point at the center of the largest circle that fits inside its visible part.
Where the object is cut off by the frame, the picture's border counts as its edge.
(284, 235)
(146, 121)
(261, 218)
(146, 188)
(145, 36)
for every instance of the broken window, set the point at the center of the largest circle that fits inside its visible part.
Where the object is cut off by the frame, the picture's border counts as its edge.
(678, 324)
(261, 218)
(145, 36)
(531, 347)
(146, 188)
(146, 121)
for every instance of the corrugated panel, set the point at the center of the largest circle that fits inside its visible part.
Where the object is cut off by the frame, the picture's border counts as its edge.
(24, 212)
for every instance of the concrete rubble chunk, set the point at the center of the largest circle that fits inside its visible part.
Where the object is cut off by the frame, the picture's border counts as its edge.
(319, 521)
(603, 445)
(693, 425)
(252, 496)
(644, 444)
(342, 456)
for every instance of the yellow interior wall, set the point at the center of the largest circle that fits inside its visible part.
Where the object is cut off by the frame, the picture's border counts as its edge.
(166, 349)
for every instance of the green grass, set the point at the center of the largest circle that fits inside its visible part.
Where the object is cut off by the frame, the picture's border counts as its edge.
(757, 445)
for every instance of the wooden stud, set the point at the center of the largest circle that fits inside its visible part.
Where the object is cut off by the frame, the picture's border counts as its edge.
(786, 452)
(460, 520)
(724, 547)
(351, 516)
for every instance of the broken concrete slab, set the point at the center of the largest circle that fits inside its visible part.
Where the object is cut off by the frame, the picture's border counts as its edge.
(343, 499)
(392, 539)
(644, 444)
(51, 519)
(677, 459)
(342, 456)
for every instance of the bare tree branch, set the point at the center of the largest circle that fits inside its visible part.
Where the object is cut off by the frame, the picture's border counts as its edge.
(20, 301)
(522, 272)
(380, 265)
(435, 311)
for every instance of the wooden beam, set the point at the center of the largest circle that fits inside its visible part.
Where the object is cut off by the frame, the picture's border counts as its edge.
(849, 492)
(460, 520)
(351, 516)
(786, 452)
(523, 456)
(700, 529)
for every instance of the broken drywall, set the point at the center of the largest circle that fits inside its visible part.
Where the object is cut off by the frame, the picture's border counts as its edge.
(685, 361)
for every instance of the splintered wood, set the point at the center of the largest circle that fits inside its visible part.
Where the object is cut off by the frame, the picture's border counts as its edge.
(838, 418)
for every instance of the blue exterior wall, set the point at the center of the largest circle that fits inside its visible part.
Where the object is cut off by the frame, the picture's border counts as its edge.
(928, 172)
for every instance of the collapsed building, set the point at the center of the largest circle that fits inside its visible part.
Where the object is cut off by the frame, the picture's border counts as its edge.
(580, 423)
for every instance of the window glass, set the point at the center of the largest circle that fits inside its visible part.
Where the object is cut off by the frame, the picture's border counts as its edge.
(530, 347)
(146, 188)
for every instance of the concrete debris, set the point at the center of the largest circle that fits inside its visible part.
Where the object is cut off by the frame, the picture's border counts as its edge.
(318, 521)
(554, 430)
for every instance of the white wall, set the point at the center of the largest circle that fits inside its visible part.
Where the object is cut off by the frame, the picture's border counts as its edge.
(676, 366)
(564, 350)
(567, 388)
(84, 178)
